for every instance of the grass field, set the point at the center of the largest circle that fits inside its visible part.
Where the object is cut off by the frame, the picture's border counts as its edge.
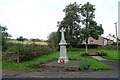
(112, 54)
(28, 42)
(73, 54)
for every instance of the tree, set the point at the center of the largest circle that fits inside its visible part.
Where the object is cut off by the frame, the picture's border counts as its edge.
(4, 36)
(37, 40)
(21, 38)
(54, 38)
(91, 29)
(71, 23)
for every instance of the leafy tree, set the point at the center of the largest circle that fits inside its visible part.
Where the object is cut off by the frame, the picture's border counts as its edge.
(71, 23)
(4, 36)
(54, 38)
(21, 38)
(37, 40)
(91, 29)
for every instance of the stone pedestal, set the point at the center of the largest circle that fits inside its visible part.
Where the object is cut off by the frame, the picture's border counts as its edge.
(63, 54)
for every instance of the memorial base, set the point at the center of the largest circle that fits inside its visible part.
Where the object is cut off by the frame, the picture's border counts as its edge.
(63, 58)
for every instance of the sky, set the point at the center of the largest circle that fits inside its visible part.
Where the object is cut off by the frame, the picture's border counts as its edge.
(38, 18)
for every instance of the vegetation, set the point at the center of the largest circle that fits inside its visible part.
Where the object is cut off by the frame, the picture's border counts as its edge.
(91, 29)
(27, 66)
(71, 23)
(24, 52)
(54, 39)
(85, 65)
(5, 35)
(73, 54)
(111, 54)
(102, 53)
(94, 53)
(37, 40)
(21, 38)
(77, 16)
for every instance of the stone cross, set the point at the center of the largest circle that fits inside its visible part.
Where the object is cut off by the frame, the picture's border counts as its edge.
(62, 35)
(63, 55)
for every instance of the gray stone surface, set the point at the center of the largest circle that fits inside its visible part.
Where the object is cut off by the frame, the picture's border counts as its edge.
(99, 58)
(53, 73)
(73, 64)
(63, 44)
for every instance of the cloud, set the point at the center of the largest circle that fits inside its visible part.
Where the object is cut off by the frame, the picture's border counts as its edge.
(30, 19)
(37, 18)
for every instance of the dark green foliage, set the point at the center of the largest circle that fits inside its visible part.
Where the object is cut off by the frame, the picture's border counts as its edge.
(27, 52)
(91, 29)
(4, 35)
(36, 40)
(74, 55)
(114, 47)
(71, 23)
(84, 54)
(54, 39)
(85, 65)
(102, 53)
(97, 53)
(83, 46)
(115, 43)
(21, 38)
(77, 16)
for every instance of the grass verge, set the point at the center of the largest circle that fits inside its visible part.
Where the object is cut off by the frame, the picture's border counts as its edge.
(73, 54)
(26, 66)
(112, 54)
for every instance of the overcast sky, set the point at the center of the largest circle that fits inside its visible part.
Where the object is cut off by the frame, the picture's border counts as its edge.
(38, 18)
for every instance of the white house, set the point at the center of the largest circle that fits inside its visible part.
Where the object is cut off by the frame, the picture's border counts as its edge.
(112, 37)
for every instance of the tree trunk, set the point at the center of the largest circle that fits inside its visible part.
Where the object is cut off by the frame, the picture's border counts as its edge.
(18, 60)
(86, 45)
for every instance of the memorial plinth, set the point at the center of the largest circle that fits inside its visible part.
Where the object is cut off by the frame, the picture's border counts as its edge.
(63, 55)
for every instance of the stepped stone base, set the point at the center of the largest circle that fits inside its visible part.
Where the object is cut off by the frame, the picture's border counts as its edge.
(64, 58)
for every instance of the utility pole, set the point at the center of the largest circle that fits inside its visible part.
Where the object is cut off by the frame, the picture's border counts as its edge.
(116, 34)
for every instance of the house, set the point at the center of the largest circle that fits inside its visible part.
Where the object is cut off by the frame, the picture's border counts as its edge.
(112, 37)
(100, 41)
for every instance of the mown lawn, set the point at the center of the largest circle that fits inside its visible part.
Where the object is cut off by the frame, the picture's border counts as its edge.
(112, 54)
(26, 66)
(73, 54)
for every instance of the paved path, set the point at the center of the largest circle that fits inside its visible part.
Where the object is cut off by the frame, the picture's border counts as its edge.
(73, 64)
(54, 73)
(99, 58)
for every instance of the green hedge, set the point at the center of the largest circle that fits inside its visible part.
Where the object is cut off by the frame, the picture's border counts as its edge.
(24, 52)
(83, 46)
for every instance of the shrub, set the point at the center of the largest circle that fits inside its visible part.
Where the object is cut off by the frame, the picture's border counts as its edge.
(84, 54)
(25, 52)
(102, 53)
(83, 45)
(84, 65)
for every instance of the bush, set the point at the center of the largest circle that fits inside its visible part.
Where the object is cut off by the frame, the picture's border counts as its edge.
(27, 52)
(83, 46)
(102, 53)
(97, 53)
(114, 47)
(84, 54)
(85, 65)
